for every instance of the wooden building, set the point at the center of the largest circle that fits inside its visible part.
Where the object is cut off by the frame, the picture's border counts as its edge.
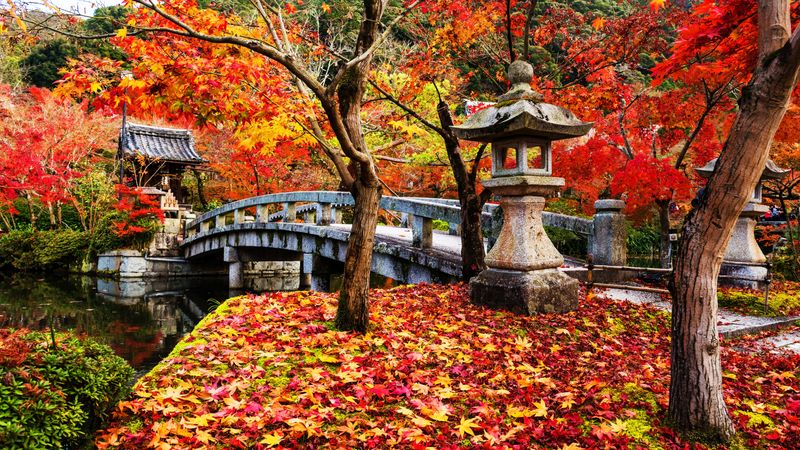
(157, 157)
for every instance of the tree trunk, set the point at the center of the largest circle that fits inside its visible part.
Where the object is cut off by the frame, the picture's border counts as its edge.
(31, 212)
(696, 404)
(201, 195)
(353, 310)
(52, 213)
(472, 251)
(664, 248)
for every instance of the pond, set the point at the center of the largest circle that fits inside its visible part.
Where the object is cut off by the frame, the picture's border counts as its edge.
(141, 320)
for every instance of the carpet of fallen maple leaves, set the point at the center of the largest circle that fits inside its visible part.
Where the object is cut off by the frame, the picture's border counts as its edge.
(435, 371)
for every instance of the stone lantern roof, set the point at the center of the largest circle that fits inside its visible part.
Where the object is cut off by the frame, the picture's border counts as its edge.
(521, 112)
(771, 170)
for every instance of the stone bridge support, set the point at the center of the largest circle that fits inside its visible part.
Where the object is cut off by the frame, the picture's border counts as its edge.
(235, 267)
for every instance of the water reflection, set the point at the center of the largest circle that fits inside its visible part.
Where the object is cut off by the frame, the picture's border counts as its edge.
(141, 320)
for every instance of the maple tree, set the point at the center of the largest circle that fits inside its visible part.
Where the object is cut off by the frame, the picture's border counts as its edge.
(275, 38)
(696, 400)
(48, 144)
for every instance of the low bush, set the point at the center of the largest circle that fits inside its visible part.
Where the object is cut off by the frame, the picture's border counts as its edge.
(56, 396)
(29, 249)
(784, 300)
(567, 242)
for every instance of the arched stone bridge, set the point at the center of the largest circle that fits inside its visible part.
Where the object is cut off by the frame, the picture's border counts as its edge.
(312, 227)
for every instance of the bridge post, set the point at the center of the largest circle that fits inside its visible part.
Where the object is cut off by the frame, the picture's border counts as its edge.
(454, 229)
(289, 212)
(422, 232)
(262, 214)
(405, 220)
(336, 215)
(324, 214)
(204, 226)
(219, 222)
(238, 216)
(235, 267)
(306, 270)
(608, 241)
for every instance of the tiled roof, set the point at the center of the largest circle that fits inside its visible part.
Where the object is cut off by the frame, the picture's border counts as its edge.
(166, 144)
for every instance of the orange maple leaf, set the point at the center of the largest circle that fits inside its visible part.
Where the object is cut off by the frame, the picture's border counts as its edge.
(655, 5)
(600, 22)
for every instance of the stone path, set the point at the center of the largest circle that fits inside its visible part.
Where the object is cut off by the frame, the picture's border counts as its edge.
(730, 324)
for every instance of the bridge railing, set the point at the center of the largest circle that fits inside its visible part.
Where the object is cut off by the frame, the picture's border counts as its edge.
(605, 231)
(324, 208)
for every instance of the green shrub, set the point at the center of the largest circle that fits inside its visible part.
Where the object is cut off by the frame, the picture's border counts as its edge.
(567, 242)
(784, 267)
(752, 303)
(440, 225)
(643, 240)
(28, 249)
(56, 397)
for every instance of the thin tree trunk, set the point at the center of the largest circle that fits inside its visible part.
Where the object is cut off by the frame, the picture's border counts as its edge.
(696, 403)
(353, 309)
(201, 195)
(472, 250)
(31, 212)
(790, 231)
(664, 253)
(52, 213)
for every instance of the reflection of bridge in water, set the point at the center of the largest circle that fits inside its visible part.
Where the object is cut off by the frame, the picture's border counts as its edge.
(311, 227)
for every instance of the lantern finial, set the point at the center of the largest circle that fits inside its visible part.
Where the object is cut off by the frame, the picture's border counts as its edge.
(520, 75)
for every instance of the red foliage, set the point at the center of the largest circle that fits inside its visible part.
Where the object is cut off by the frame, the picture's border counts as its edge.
(13, 349)
(435, 371)
(138, 208)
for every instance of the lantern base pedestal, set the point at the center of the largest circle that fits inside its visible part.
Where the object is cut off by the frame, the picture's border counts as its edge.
(529, 292)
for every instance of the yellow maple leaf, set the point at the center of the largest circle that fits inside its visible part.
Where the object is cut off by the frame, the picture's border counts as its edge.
(328, 358)
(122, 32)
(541, 409)
(465, 426)
(326, 8)
(421, 422)
(271, 440)
(657, 4)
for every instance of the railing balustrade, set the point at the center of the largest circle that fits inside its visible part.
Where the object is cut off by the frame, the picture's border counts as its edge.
(417, 213)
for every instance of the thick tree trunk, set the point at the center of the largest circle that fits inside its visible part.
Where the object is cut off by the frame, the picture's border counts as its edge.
(472, 251)
(696, 404)
(664, 248)
(353, 310)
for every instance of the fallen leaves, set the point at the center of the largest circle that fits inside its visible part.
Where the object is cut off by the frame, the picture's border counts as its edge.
(435, 371)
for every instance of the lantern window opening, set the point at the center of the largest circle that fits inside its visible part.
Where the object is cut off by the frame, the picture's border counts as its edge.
(521, 156)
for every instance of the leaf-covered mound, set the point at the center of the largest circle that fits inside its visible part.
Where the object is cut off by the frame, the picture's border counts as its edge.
(435, 371)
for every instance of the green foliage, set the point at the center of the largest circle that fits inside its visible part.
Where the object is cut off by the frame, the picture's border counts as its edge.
(780, 303)
(106, 20)
(44, 61)
(643, 240)
(784, 265)
(56, 397)
(28, 249)
(567, 242)
(440, 225)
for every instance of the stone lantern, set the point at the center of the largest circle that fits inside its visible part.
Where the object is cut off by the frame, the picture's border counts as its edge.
(523, 273)
(743, 248)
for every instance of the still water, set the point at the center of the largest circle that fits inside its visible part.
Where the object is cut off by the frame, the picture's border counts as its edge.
(141, 320)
